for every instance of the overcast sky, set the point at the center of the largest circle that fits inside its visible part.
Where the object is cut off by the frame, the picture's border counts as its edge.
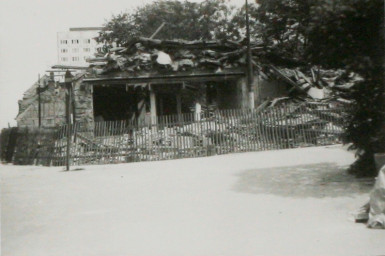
(28, 39)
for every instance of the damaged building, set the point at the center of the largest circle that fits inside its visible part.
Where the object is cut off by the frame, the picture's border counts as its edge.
(166, 99)
(149, 78)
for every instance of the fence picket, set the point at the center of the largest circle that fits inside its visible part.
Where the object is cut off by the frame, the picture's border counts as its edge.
(183, 135)
(277, 128)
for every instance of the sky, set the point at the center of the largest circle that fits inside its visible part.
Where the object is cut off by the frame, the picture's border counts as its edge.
(28, 30)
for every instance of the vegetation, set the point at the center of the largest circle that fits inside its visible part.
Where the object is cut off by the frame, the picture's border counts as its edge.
(345, 34)
(183, 20)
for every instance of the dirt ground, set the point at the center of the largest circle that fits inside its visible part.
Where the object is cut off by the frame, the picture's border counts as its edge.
(288, 202)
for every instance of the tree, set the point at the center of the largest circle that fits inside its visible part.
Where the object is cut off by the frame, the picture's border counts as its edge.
(343, 34)
(284, 26)
(349, 34)
(211, 19)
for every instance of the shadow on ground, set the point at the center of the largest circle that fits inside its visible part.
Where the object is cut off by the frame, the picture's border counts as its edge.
(316, 180)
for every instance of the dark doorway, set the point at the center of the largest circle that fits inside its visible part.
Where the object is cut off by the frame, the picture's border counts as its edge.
(166, 104)
(116, 102)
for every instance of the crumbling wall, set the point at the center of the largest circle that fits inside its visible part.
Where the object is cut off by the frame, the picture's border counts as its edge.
(52, 107)
(83, 102)
(272, 89)
(83, 105)
(269, 89)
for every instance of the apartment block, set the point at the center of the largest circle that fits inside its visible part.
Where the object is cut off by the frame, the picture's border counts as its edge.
(76, 45)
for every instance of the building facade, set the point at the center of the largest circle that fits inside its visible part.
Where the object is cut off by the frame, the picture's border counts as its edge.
(76, 45)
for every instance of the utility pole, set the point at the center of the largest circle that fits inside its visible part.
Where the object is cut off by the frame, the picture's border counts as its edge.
(249, 71)
(68, 84)
(39, 100)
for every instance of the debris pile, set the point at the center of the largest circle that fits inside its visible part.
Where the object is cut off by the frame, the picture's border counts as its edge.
(144, 54)
(316, 83)
(152, 56)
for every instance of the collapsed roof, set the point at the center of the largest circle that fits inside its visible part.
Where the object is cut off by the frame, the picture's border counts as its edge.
(153, 56)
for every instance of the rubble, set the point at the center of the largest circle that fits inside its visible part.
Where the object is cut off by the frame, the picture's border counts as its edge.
(152, 56)
(145, 54)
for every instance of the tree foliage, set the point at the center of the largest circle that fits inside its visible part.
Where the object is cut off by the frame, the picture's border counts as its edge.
(183, 20)
(349, 33)
(344, 32)
(285, 24)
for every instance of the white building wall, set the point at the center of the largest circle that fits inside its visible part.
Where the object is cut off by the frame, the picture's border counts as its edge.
(76, 45)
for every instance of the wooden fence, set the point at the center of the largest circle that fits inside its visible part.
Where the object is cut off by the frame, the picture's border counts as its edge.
(190, 135)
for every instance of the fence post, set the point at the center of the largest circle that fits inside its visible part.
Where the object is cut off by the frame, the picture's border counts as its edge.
(197, 112)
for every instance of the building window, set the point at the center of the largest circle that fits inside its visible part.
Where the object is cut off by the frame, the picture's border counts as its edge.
(75, 58)
(87, 41)
(75, 41)
(64, 58)
(63, 41)
(75, 50)
(86, 49)
(64, 50)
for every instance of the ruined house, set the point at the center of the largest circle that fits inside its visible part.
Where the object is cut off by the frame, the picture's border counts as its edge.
(152, 82)
(149, 78)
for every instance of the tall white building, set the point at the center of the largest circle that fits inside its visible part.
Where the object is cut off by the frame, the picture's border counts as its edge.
(76, 45)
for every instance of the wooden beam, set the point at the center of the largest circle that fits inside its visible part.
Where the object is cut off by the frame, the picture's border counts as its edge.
(166, 79)
(68, 67)
(157, 31)
(287, 79)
